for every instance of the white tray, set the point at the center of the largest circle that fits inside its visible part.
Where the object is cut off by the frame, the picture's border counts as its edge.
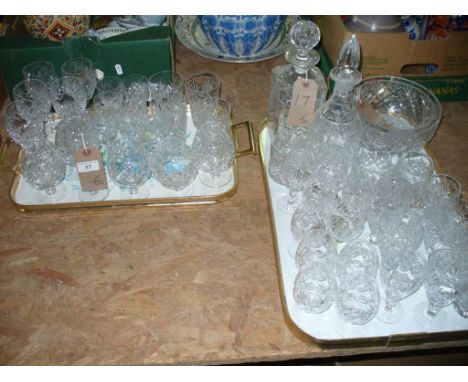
(26, 198)
(327, 326)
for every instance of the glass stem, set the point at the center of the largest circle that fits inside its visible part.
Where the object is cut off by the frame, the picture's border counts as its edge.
(390, 305)
(293, 195)
(432, 310)
(51, 190)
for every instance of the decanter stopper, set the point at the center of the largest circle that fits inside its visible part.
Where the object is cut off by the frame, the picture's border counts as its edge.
(346, 74)
(304, 36)
(350, 54)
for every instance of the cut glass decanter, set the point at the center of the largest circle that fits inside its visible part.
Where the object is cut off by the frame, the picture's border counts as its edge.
(287, 99)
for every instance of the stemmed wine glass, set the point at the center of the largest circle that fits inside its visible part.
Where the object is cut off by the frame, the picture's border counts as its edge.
(401, 275)
(440, 281)
(174, 166)
(296, 174)
(41, 165)
(129, 168)
(82, 68)
(216, 151)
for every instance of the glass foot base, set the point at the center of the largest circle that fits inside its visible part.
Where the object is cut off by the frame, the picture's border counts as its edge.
(93, 196)
(141, 192)
(185, 192)
(427, 321)
(59, 194)
(215, 181)
(390, 316)
(288, 205)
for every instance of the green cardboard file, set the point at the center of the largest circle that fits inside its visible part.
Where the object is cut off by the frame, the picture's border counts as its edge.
(145, 51)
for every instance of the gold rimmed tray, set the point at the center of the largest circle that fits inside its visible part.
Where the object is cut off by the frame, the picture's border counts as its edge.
(25, 198)
(326, 327)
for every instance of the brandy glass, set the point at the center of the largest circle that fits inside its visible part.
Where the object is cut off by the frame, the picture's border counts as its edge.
(129, 168)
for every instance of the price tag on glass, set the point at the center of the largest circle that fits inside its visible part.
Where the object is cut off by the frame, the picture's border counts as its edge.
(302, 108)
(90, 169)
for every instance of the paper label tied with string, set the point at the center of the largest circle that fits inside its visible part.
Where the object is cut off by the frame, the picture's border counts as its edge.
(90, 169)
(303, 99)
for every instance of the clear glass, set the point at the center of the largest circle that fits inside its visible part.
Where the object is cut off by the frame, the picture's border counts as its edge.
(40, 70)
(314, 290)
(84, 69)
(296, 174)
(401, 275)
(108, 108)
(358, 259)
(135, 117)
(129, 168)
(113, 83)
(357, 301)
(309, 255)
(166, 90)
(302, 58)
(440, 282)
(68, 96)
(174, 166)
(201, 91)
(41, 165)
(216, 152)
(75, 134)
(397, 114)
(346, 222)
(33, 101)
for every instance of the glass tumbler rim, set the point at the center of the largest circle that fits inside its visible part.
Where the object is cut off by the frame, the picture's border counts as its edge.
(428, 125)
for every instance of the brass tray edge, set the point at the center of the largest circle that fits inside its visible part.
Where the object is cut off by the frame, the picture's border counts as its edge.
(126, 203)
(399, 340)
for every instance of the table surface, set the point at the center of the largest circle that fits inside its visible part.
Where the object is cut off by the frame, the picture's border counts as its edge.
(172, 285)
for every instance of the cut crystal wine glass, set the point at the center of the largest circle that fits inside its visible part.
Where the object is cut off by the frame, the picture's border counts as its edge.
(440, 282)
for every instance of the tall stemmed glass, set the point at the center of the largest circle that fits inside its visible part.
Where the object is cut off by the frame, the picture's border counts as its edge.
(201, 90)
(174, 166)
(85, 70)
(440, 281)
(108, 107)
(69, 101)
(129, 168)
(33, 101)
(41, 165)
(135, 106)
(169, 114)
(216, 151)
(401, 275)
(40, 70)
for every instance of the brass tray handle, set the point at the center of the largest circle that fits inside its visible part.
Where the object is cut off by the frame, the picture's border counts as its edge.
(4, 147)
(252, 148)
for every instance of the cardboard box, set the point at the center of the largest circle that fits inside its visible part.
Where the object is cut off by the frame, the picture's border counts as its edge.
(145, 51)
(395, 54)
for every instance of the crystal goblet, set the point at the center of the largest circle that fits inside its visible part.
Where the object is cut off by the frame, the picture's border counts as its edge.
(440, 281)
(82, 68)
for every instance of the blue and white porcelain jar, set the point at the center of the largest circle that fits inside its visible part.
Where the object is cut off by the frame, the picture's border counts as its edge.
(241, 36)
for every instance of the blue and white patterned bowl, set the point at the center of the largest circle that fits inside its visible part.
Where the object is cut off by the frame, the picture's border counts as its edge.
(241, 36)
